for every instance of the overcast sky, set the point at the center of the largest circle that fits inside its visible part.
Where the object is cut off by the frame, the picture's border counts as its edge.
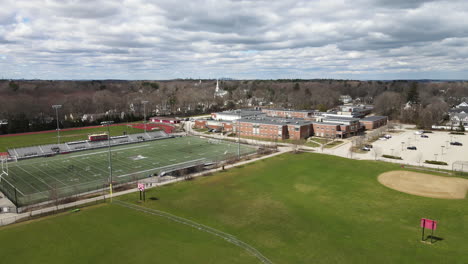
(257, 39)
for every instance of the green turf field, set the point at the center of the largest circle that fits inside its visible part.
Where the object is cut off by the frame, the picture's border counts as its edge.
(65, 136)
(63, 175)
(293, 208)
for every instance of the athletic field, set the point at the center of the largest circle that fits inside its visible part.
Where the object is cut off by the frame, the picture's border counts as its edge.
(10, 141)
(40, 179)
(293, 208)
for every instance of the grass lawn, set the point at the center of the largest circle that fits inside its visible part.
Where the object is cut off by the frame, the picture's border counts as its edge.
(293, 208)
(312, 144)
(65, 136)
(313, 208)
(333, 144)
(113, 234)
(319, 140)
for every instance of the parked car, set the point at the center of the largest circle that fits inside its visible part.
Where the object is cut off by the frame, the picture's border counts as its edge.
(424, 136)
(366, 149)
(412, 148)
(382, 138)
(368, 146)
(418, 133)
(388, 136)
(456, 143)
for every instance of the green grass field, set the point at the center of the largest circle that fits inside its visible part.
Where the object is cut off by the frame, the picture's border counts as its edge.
(65, 136)
(293, 208)
(88, 170)
(112, 234)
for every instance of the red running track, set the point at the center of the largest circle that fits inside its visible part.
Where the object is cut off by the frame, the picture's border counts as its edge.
(167, 128)
(49, 131)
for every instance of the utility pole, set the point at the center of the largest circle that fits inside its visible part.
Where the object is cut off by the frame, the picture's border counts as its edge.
(108, 123)
(57, 107)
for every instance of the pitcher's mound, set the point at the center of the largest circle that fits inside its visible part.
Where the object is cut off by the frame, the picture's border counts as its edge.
(425, 184)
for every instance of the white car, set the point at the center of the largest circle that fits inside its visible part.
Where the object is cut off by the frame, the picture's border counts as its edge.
(418, 133)
(388, 136)
(382, 138)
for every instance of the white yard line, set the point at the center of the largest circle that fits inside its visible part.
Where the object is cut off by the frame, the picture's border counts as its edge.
(28, 182)
(37, 167)
(3, 179)
(106, 151)
(125, 175)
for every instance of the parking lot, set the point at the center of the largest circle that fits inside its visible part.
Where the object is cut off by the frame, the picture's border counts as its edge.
(435, 147)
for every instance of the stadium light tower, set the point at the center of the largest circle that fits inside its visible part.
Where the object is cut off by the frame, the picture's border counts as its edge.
(108, 123)
(57, 107)
(144, 112)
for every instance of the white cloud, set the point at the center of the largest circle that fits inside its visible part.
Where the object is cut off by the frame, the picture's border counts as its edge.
(138, 39)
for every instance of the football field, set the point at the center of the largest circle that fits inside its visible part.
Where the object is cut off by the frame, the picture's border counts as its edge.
(39, 179)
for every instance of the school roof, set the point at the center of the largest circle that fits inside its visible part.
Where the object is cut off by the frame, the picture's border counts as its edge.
(373, 118)
(241, 112)
(288, 110)
(276, 121)
(340, 118)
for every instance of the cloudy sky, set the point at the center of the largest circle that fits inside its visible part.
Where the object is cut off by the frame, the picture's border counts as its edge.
(264, 39)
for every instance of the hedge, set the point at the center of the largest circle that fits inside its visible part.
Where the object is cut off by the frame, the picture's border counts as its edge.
(435, 162)
(391, 157)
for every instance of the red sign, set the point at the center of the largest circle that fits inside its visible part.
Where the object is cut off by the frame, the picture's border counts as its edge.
(141, 187)
(428, 223)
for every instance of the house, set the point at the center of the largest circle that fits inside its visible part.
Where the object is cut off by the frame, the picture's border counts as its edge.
(345, 99)
(459, 115)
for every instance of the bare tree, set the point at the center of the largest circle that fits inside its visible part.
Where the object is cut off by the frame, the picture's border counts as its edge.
(419, 157)
(389, 104)
(377, 152)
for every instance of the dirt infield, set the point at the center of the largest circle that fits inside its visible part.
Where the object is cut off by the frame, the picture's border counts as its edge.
(425, 184)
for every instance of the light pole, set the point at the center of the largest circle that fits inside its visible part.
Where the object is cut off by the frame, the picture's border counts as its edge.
(402, 143)
(442, 150)
(435, 156)
(144, 112)
(108, 123)
(57, 107)
(238, 136)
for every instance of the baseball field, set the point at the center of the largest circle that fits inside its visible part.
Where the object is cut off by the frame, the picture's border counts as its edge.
(293, 208)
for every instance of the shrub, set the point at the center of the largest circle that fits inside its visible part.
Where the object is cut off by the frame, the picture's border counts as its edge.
(391, 157)
(457, 133)
(435, 162)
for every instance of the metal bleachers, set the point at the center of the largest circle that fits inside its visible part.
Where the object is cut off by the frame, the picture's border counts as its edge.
(52, 149)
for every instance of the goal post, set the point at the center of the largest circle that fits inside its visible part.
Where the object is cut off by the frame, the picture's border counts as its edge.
(4, 166)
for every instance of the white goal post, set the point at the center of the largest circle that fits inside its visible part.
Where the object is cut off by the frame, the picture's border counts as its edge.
(4, 164)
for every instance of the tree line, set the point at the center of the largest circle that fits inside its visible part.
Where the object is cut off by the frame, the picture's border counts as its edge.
(26, 104)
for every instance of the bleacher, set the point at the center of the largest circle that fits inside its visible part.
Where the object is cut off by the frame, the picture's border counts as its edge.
(52, 149)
